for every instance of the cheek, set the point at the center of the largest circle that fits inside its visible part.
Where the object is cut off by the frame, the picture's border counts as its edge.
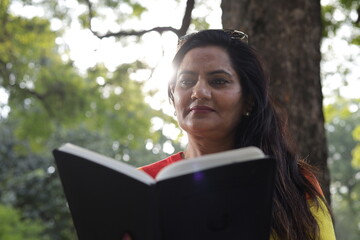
(179, 99)
(235, 104)
(176, 100)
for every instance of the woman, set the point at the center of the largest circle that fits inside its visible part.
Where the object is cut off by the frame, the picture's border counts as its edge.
(220, 94)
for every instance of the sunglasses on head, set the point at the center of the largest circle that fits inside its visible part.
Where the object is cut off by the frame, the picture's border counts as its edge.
(234, 34)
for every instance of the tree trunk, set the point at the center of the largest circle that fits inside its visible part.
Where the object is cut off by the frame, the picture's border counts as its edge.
(287, 35)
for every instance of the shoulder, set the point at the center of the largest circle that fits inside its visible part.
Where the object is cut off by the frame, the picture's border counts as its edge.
(154, 168)
(323, 217)
(324, 220)
(320, 211)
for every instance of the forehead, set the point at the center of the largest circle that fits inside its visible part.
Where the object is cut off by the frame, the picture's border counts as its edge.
(205, 57)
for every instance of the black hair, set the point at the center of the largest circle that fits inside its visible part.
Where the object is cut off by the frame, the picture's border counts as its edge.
(266, 128)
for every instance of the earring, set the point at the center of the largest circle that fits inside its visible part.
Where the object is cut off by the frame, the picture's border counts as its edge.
(175, 113)
(249, 108)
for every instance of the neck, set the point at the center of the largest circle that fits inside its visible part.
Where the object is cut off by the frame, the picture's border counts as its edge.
(202, 146)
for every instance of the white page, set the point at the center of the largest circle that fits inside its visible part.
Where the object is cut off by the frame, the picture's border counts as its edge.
(108, 162)
(209, 161)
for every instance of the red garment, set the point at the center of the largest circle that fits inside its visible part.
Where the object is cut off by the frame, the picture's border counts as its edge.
(154, 168)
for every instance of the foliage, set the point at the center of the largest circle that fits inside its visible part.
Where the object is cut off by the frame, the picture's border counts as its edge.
(342, 122)
(51, 103)
(340, 13)
(27, 182)
(38, 83)
(341, 20)
(45, 93)
(12, 227)
(356, 151)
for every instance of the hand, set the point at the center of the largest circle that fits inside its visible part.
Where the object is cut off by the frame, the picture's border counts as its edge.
(127, 237)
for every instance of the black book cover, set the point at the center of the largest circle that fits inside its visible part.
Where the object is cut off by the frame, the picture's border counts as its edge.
(227, 199)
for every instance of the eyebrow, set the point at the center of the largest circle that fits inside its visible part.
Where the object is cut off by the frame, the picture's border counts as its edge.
(209, 73)
(187, 72)
(219, 72)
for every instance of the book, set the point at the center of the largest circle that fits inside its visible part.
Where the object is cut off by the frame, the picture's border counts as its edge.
(225, 195)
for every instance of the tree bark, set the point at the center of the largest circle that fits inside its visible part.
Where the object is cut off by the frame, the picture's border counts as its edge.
(287, 34)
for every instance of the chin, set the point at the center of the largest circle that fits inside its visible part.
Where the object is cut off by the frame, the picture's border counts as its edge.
(196, 128)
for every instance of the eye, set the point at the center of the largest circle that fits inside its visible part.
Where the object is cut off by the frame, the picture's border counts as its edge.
(219, 81)
(187, 82)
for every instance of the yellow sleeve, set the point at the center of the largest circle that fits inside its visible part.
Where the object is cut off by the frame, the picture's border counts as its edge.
(324, 220)
(322, 215)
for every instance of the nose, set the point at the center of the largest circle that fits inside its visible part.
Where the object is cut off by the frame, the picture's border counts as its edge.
(201, 90)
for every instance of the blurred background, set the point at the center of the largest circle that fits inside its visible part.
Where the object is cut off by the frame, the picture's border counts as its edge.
(95, 73)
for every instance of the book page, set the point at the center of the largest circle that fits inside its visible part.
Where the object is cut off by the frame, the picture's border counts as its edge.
(209, 161)
(118, 166)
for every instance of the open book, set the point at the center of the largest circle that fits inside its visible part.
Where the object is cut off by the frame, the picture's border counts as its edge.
(226, 195)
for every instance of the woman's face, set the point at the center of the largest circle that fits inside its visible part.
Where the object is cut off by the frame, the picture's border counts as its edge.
(208, 97)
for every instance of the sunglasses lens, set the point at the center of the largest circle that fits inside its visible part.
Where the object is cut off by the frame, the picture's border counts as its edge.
(235, 34)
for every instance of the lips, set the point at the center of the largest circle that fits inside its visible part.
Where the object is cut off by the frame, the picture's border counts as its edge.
(201, 109)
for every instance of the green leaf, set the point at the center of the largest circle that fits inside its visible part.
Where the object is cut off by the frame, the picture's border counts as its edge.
(356, 133)
(84, 20)
(138, 10)
(355, 40)
(13, 227)
(200, 23)
(356, 157)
